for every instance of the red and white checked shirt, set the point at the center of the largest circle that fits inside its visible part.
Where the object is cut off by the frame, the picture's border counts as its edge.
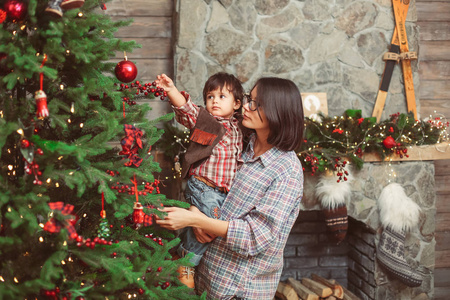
(225, 158)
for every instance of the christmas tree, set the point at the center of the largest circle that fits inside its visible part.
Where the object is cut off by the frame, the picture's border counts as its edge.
(78, 184)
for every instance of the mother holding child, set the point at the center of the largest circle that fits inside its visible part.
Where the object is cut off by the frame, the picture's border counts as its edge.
(247, 228)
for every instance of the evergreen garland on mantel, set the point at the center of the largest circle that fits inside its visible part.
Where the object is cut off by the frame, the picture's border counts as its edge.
(330, 139)
(329, 142)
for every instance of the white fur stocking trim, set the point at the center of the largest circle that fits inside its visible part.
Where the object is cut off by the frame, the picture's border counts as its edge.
(331, 193)
(397, 211)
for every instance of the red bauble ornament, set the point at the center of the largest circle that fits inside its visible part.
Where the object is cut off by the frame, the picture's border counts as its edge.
(2, 16)
(126, 71)
(24, 143)
(389, 142)
(15, 9)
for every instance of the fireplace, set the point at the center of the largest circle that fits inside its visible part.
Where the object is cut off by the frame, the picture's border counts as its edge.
(353, 262)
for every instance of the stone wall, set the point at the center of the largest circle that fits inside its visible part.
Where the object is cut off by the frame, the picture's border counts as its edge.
(327, 46)
(323, 46)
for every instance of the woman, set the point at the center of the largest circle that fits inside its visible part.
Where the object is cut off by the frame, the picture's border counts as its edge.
(246, 259)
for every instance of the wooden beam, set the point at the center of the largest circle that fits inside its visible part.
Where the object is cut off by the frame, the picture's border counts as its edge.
(416, 153)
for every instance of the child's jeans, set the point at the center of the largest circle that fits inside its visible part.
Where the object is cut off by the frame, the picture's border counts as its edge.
(208, 200)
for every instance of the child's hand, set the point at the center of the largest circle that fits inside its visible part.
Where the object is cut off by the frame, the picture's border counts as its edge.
(165, 82)
(175, 97)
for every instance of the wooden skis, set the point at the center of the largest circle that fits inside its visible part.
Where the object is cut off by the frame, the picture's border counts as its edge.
(399, 51)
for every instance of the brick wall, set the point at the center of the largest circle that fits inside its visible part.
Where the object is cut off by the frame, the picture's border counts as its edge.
(309, 250)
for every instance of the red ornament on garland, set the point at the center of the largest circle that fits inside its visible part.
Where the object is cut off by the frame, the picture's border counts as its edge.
(2, 16)
(15, 10)
(126, 71)
(389, 142)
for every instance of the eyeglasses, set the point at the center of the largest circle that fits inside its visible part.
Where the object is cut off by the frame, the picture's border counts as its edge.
(252, 104)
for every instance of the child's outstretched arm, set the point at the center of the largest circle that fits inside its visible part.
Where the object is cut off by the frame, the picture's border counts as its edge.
(175, 97)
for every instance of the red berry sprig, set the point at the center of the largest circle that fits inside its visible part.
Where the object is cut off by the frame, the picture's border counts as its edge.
(149, 188)
(32, 168)
(112, 173)
(91, 243)
(143, 90)
(340, 168)
(313, 161)
(155, 239)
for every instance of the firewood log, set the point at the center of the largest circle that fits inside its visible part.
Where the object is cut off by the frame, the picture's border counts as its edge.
(302, 291)
(338, 292)
(286, 292)
(322, 290)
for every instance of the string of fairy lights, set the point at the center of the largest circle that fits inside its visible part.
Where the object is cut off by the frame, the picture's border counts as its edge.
(344, 137)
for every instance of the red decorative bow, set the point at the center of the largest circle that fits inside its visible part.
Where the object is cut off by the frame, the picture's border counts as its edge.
(54, 225)
(131, 143)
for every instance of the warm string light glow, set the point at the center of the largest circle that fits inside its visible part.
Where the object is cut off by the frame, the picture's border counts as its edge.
(352, 137)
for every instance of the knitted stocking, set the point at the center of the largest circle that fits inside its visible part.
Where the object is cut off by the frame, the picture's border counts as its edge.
(391, 256)
(332, 196)
(398, 214)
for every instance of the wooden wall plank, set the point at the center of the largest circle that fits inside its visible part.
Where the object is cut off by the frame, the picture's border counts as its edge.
(443, 223)
(440, 184)
(434, 50)
(437, 11)
(442, 167)
(443, 277)
(443, 258)
(132, 8)
(441, 293)
(442, 241)
(434, 70)
(151, 48)
(434, 107)
(434, 31)
(431, 89)
(146, 27)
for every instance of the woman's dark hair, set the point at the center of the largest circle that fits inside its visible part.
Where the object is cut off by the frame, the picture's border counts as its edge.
(222, 79)
(281, 102)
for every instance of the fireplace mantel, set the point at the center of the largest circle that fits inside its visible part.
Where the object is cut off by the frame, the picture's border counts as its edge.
(439, 151)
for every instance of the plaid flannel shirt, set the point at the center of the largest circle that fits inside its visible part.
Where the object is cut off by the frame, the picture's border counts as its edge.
(225, 158)
(261, 208)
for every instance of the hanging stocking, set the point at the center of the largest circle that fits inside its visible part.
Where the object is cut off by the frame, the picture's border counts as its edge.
(332, 195)
(398, 214)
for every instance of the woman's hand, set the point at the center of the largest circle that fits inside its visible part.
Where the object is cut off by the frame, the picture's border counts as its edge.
(201, 235)
(177, 218)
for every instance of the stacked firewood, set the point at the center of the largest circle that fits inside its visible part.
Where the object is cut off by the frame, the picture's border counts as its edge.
(314, 288)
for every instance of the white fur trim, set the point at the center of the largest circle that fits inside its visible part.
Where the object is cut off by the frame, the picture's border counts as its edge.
(397, 211)
(331, 193)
